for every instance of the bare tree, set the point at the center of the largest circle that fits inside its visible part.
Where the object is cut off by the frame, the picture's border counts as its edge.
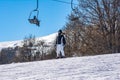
(27, 49)
(97, 30)
(41, 49)
(105, 14)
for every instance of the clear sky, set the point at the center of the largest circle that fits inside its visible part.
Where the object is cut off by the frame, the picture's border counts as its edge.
(14, 15)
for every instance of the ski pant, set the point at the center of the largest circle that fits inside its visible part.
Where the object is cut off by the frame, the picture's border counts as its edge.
(60, 49)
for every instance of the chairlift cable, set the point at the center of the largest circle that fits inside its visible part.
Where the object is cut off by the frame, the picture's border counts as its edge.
(37, 5)
(64, 2)
(72, 5)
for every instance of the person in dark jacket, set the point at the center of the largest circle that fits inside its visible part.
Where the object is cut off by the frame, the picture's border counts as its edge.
(60, 43)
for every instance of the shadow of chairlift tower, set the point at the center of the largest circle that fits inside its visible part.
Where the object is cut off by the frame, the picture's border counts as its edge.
(33, 17)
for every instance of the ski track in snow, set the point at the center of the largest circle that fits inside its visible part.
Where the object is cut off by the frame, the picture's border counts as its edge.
(101, 67)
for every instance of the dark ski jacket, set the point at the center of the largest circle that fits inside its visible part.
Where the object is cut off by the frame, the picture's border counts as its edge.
(60, 39)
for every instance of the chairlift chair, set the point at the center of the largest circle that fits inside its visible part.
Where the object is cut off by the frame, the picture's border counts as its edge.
(33, 19)
(75, 18)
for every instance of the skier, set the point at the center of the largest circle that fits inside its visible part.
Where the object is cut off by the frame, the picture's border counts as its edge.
(60, 43)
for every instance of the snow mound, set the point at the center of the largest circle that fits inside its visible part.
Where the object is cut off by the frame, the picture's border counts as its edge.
(101, 67)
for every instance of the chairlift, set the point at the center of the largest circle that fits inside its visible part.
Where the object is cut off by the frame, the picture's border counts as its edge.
(33, 17)
(75, 18)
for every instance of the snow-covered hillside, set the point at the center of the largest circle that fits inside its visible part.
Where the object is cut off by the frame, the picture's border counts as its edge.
(101, 67)
(48, 39)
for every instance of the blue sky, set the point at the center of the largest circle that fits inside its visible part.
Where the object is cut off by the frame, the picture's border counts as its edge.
(14, 15)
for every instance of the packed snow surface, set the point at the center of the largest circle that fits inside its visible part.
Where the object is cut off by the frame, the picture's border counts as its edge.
(101, 67)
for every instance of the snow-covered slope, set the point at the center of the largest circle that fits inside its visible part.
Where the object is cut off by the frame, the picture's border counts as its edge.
(102, 67)
(10, 44)
(48, 39)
